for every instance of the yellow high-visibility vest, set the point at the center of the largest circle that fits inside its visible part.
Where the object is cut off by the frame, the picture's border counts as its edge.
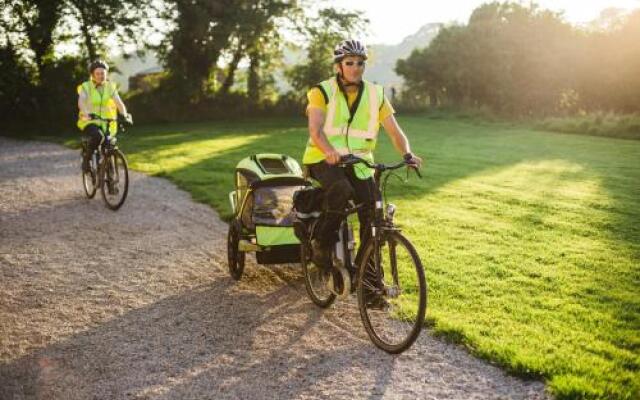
(349, 133)
(101, 103)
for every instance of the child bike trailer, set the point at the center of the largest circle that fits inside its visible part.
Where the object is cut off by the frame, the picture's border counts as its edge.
(262, 205)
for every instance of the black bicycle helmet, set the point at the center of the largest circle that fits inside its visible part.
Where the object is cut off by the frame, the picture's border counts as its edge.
(349, 48)
(98, 64)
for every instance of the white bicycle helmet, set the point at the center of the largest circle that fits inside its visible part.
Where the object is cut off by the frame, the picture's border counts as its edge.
(349, 47)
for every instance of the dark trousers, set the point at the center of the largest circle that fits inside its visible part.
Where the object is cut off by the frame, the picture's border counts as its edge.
(93, 136)
(340, 184)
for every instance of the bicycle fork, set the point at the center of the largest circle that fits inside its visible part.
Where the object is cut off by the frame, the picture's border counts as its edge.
(377, 235)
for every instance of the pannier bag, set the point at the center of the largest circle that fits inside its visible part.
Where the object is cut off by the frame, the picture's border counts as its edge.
(307, 203)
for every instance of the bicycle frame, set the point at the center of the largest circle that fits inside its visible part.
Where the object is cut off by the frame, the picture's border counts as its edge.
(380, 223)
(384, 252)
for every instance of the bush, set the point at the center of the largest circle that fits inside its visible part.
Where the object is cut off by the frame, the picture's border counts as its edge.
(626, 126)
(164, 104)
(46, 104)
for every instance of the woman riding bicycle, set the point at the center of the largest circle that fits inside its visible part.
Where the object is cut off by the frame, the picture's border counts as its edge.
(98, 97)
(344, 114)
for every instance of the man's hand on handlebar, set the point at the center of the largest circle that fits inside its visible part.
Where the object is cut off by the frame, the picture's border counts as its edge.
(412, 160)
(333, 157)
(350, 159)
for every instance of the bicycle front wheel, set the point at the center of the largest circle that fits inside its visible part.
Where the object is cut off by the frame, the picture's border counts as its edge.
(114, 183)
(392, 292)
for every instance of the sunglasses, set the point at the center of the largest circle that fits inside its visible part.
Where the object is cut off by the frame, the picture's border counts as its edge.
(350, 63)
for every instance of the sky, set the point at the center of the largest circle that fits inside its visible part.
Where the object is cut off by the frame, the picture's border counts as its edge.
(391, 21)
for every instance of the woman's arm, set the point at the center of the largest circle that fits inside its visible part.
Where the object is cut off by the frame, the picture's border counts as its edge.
(83, 106)
(121, 107)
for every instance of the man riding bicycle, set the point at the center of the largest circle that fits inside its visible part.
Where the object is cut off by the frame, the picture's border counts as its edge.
(98, 97)
(344, 114)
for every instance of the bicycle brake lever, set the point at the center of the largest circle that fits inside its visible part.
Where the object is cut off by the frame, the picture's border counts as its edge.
(413, 167)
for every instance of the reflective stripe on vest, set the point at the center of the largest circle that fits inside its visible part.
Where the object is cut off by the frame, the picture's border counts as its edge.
(102, 105)
(359, 137)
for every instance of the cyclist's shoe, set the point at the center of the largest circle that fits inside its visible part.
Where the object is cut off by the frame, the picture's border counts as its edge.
(321, 255)
(375, 301)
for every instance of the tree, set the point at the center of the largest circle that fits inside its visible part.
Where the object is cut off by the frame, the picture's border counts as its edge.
(510, 58)
(35, 21)
(16, 89)
(99, 19)
(205, 31)
(322, 33)
(202, 30)
(37, 80)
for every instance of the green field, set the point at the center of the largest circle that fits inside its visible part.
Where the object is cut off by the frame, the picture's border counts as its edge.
(531, 239)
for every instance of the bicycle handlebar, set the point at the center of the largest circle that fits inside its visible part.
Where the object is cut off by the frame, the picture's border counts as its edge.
(351, 159)
(99, 118)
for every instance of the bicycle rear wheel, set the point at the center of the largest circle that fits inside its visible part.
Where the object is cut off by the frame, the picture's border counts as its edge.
(89, 183)
(315, 280)
(392, 293)
(90, 178)
(114, 183)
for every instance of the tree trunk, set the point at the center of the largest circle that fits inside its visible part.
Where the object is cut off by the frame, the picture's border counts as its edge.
(253, 81)
(91, 49)
(88, 41)
(433, 98)
(231, 71)
(40, 30)
(191, 57)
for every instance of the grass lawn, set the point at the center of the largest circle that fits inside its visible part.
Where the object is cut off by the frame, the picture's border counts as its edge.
(531, 239)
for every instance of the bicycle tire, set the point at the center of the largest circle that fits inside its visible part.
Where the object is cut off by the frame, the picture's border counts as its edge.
(89, 184)
(118, 159)
(399, 316)
(235, 257)
(89, 179)
(313, 280)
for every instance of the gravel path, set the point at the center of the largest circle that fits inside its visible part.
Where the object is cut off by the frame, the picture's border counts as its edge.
(137, 304)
